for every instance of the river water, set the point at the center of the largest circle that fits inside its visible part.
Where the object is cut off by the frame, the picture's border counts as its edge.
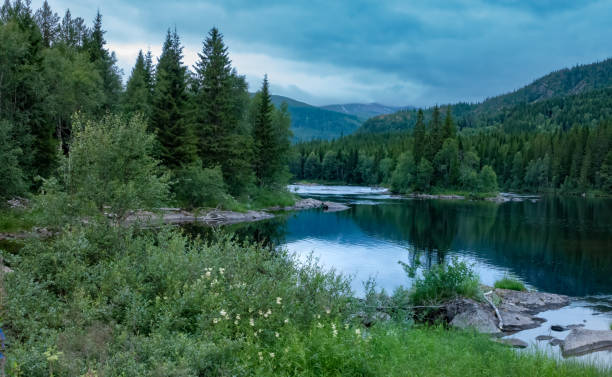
(557, 245)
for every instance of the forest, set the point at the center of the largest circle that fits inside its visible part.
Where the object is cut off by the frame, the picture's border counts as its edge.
(523, 152)
(220, 145)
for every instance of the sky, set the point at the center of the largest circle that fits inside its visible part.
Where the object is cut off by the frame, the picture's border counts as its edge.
(393, 52)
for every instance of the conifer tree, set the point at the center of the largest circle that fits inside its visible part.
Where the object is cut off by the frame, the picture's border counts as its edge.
(219, 103)
(435, 134)
(419, 137)
(174, 135)
(48, 23)
(449, 130)
(137, 96)
(105, 63)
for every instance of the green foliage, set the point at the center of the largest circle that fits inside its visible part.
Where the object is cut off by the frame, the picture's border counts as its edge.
(196, 186)
(445, 281)
(110, 168)
(509, 283)
(138, 93)
(403, 177)
(424, 174)
(174, 133)
(487, 180)
(11, 174)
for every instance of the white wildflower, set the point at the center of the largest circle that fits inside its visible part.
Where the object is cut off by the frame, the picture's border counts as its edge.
(272, 354)
(251, 322)
(279, 300)
(276, 334)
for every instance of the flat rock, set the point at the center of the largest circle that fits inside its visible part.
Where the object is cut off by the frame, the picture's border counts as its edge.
(541, 338)
(582, 341)
(513, 342)
(530, 302)
(334, 207)
(466, 313)
(555, 342)
(517, 321)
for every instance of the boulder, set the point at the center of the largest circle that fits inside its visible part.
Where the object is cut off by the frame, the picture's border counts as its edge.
(513, 342)
(530, 302)
(541, 338)
(582, 341)
(516, 321)
(555, 342)
(466, 313)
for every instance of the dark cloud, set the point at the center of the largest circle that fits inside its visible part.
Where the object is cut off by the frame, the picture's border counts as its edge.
(396, 52)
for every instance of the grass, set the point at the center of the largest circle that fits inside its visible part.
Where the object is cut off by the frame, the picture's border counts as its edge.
(15, 220)
(510, 283)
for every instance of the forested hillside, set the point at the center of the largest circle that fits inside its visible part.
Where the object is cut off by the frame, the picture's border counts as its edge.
(435, 157)
(310, 122)
(578, 88)
(217, 143)
(364, 111)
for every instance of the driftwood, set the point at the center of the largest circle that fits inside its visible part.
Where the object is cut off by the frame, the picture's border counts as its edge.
(500, 325)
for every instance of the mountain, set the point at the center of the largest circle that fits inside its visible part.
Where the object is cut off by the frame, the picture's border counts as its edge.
(310, 122)
(569, 82)
(364, 111)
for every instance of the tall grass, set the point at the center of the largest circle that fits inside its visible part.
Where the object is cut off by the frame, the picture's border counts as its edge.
(510, 283)
(445, 281)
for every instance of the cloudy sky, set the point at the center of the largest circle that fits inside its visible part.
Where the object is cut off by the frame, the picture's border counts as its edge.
(392, 52)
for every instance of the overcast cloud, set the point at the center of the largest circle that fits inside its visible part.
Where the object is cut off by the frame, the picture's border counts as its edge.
(393, 52)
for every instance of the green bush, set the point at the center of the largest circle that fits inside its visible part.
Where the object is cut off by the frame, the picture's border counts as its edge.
(11, 174)
(109, 171)
(509, 283)
(445, 281)
(196, 186)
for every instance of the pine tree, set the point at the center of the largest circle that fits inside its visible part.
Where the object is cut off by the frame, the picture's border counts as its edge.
(449, 130)
(105, 62)
(220, 100)
(48, 23)
(435, 134)
(137, 96)
(419, 138)
(174, 135)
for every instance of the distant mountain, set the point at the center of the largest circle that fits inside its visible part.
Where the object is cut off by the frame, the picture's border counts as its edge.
(310, 122)
(556, 85)
(364, 111)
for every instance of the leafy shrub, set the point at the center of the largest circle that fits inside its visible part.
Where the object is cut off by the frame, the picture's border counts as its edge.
(445, 281)
(196, 186)
(110, 169)
(509, 283)
(11, 174)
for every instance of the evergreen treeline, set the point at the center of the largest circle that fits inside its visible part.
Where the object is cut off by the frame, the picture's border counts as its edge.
(209, 132)
(435, 157)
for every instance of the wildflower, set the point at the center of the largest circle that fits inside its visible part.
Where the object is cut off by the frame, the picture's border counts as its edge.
(236, 322)
(221, 270)
(286, 349)
(334, 331)
(215, 320)
(238, 316)
(223, 313)
(319, 325)
(346, 326)
(327, 310)
(286, 320)
(207, 274)
(272, 354)
(250, 310)
(279, 300)
(260, 355)
(260, 312)
(260, 330)
(318, 316)
(251, 322)
(357, 331)
(255, 333)
(276, 334)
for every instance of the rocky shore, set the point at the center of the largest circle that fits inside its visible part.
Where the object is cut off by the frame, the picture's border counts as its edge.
(220, 217)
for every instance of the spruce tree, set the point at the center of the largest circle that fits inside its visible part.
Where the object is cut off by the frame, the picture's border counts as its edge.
(419, 138)
(270, 138)
(449, 130)
(137, 96)
(219, 103)
(48, 23)
(174, 135)
(105, 63)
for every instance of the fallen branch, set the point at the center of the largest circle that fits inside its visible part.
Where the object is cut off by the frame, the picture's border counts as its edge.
(500, 325)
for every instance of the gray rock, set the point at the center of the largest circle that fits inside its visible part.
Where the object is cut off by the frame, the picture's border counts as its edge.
(334, 207)
(541, 338)
(530, 302)
(582, 341)
(555, 342)
(557, 328)
(513, 342)
(515, 321)
(466, 313)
